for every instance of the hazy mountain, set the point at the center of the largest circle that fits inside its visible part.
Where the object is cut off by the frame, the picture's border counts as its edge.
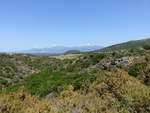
(128, 45)
(60, 49)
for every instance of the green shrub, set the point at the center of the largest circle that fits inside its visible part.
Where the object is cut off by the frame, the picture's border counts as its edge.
(11, 88)
(147, 57)
(146, 47)
(120, 65)
(136, 69)
(3, 81)
(134, 72)
(47, 81)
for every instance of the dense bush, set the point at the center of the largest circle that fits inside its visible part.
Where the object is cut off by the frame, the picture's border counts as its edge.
(112, 93)
(136, 69)
(147, 57)
(48, 81)
(3, 81)
(146, 47)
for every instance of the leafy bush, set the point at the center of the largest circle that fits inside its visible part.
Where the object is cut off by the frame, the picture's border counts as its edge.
(147, 57)
(97, 57)
(48, 81)
(146, 47)
(136, 69)
(3, 81)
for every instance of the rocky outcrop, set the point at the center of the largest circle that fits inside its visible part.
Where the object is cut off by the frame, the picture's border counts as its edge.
(120, 61)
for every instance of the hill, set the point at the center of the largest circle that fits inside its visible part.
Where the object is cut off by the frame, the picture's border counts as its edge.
(127, 45)
(59, 49)
(15, 67)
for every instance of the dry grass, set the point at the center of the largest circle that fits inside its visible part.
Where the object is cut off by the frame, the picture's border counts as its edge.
(22, 103)
(67, 56)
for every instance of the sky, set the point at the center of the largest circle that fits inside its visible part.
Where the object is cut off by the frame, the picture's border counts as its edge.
(26, 24)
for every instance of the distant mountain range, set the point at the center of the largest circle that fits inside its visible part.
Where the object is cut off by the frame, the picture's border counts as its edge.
(60, 49)
(127, 45)
(88, 48)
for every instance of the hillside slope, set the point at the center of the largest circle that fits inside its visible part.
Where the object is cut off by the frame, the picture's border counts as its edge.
(111, 93)
(127, 45)
(15, 67)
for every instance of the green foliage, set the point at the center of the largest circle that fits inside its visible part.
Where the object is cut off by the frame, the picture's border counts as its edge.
(147, 58)
(96, 57)
(78, 84)
(134, 72)
(84, 62)
(117, 55)
(127, 45)
(48, 81)
(73, 52)
(146, 47)
(119, 66)
(136, 69)
(11, 88)
(3, 81)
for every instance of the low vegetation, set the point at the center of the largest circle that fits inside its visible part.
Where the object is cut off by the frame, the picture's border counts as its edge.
(95, 82)
(128, 45)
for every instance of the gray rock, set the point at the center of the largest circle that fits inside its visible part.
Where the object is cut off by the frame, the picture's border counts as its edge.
(51, 97)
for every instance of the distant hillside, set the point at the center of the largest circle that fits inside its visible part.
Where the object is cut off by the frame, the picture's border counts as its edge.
(128, 45)
(72, 52)
(60, 49)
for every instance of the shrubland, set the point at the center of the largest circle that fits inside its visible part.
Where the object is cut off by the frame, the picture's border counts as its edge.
(95, 82)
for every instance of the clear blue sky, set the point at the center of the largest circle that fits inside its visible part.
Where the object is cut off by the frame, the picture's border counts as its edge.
(43, 23)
